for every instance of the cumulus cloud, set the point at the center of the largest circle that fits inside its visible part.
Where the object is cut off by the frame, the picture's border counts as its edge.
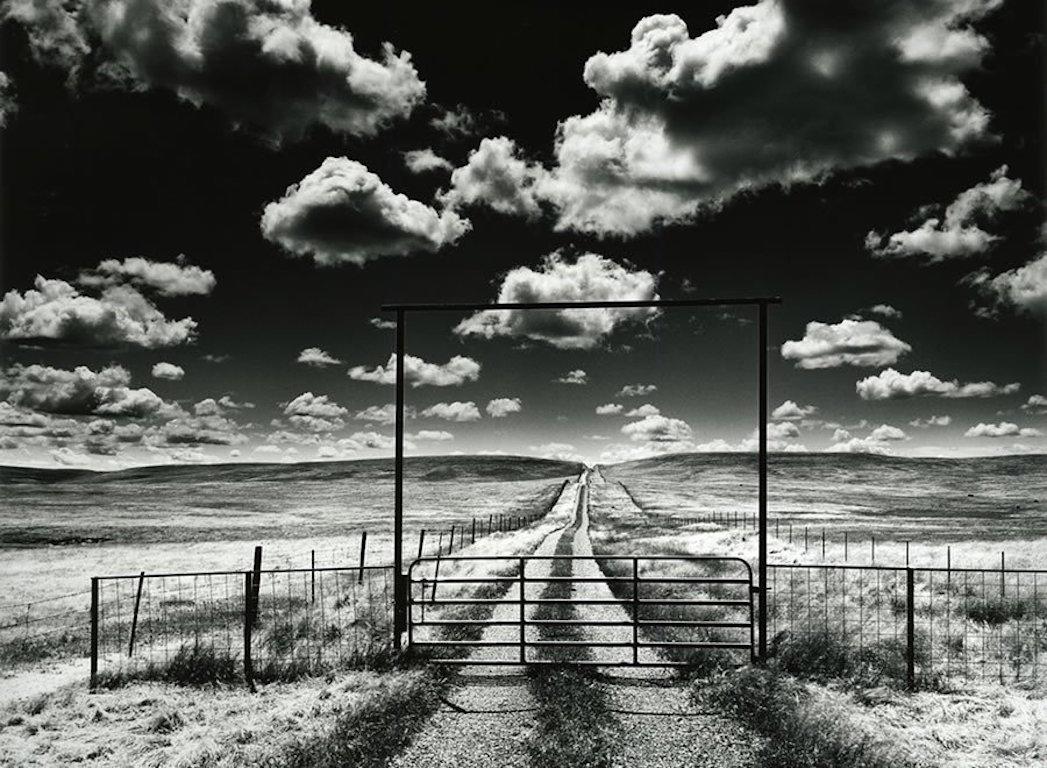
(498, 177)
(931, 421)
(382, 324)
(373, 440)
(456, 411)
(57, 312)
(577, 376)
(459, 121)
(957, 234)
(8, 105)
(317, 358)
(168, 371)
(166, 278)
(431, 435)
(782, 430)
(227, 402)
(608, 409)
(779, 92)
(885, 311)
(341, 212)
(1003, 429)
(886, 432)
(419, 373)
(80, 391)
(644, 410)
(790, 411)
(269, 65)
(849, 342)
(315, 413)
(425, 161)
(636, 390)
(1036, 404)
(210, 429)
(381, 414)
(1023, 288)
(890, 384)
(500, 407)
(590, 277)
(658, 429)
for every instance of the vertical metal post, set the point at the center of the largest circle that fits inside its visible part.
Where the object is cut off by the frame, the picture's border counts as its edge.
(636, 611)
(823, 545)
(363, 556)
(399, 587)
(256, 582)
(906, 553)
(910, 630)
(312, 575)
(845, 546)
(249, 615)
(523, 612)
(872, 544)
(94, 632)
(450, 543)
(134, 618)
(763, 480)
(472, 537)
(1003, 574)
(421, 543)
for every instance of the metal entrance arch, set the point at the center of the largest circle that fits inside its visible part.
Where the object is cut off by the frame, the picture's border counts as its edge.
(401, 586)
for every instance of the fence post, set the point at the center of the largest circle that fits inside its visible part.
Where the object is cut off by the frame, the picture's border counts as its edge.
(1003, 574)
(490, 524)
(134, 619)
(948, 565)
(421, 543)
(94, 632)
(249, 616)
(872, 543)
(523, 612)
(906, 553)
(256, 583)
(823, 544)
(312, 575)
(845, 546)
(636, 611)
(805, 547)
(472, 537)
(450, 545)
(910, 629)
(363, 556)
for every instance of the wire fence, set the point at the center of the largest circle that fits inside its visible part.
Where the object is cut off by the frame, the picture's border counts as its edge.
(231, 626)
(59, 626)
(923, 625)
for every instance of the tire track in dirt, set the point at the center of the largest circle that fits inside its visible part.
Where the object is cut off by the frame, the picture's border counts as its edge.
(487, 714)
(660, 727)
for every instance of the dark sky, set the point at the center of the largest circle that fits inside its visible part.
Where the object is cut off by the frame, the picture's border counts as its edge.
(99, 166)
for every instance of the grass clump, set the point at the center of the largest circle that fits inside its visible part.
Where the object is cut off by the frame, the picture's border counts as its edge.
(799, 733)
(196, 665)
(824, 657)
(997, 612)
(371, 730)
(574, 724)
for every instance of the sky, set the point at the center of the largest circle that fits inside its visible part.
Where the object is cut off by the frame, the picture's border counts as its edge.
(203, 205)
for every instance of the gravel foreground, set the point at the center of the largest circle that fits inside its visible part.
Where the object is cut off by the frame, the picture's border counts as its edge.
(488, 714)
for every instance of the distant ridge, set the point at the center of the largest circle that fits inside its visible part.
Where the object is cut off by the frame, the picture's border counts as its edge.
(430, 468)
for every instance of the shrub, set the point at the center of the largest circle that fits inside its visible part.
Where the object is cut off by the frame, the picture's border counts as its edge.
(996, 612)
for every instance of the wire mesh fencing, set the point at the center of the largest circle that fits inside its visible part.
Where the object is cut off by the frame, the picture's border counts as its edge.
(239, 625)
(920, 625)
(38, 629)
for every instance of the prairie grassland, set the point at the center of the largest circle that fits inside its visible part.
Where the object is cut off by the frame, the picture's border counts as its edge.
(357, 717)
(978, 506)
(933, 726)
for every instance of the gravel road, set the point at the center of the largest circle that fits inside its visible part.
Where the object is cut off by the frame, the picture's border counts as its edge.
(488, 713)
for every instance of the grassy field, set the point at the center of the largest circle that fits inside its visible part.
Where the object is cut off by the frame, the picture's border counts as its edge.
(61, 526)
(841, 652)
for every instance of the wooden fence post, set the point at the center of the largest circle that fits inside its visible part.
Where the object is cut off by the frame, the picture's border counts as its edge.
(249, 617)
(363, 556)
(134, 618)
(473, 536)
(256, 581)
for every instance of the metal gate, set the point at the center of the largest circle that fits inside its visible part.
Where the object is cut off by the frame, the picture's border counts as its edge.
(657, 611)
